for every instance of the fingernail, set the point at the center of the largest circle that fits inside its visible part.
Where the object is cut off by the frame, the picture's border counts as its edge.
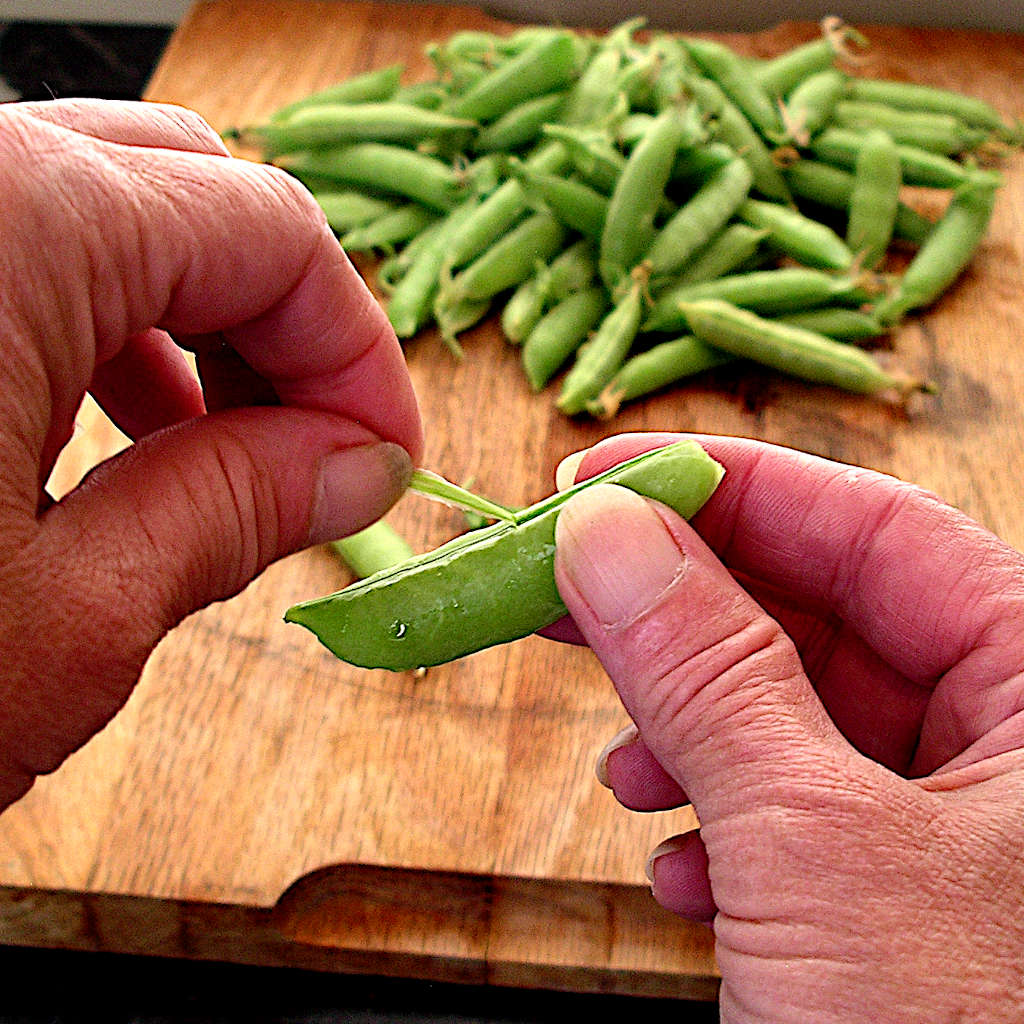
(565, 475)
(672, 845)
(355, 487)
(616, 551)
(621, 739)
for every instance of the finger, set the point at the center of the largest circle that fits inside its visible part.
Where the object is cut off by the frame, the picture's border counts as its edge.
(184, 517)
(629, 769)
(147, 385)
(678, 871)
(706, 675)
(156, 125)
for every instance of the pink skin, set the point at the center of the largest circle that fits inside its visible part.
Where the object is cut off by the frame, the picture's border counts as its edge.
(130, 233)
(828, 664)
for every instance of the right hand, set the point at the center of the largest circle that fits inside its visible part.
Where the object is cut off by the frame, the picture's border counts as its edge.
(842, 701)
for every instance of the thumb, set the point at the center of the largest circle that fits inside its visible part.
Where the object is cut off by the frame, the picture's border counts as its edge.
(186, 516)
(714, 685)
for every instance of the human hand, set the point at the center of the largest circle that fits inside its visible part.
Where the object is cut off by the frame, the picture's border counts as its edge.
(828, 665)
(127, 226)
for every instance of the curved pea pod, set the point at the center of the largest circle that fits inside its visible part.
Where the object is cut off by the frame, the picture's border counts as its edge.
(560, 332)
(371, 86)
(575, 204)
(937, 133)
(346, 209)
(809, 106)
(738, 82)
(784, 290)
(874, 202)
(841, 146)
(629, 223)
(490, 586)
(838, 322)
(781, 74)
(591, 152)
(520, 126)
(389, 230)
(383, 167)
(832, 187)
(548, 64)
(794, 350)
(599, 358)
(732, 247)
(655, 368)
(339, 124)
(806, 240)
(699, 219)
(947, 250)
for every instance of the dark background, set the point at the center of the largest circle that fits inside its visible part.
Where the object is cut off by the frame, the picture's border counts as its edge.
(41, 61)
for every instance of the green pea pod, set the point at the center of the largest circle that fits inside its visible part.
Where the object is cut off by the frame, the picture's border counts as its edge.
(378, 546)
(490, 586)
(560, 332)
(809, 106)
(806, 240)
(371, 86)
(874, 202)
(937, 133)
(346, 209)
(389, 230)
(520, 126)
(575, 204)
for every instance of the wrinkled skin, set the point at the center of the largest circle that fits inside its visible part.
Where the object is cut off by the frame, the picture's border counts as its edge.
(128, 232)
(828, 664)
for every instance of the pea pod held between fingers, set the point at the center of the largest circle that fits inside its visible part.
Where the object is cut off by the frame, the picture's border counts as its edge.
(793, 350)
(490, 586)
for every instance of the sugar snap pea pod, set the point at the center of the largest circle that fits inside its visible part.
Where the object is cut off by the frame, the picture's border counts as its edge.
(575, 204)
(937, 133)
(501, 210)
(838, 322)
(338, 124)
(595, 92)
(629, 223)
(729, 125)
(840, 146)
(572, 269)
(548, 64)
(783, 290)
(654, 369)
(699, 219)
(453, 318)
(591, 152)
(560, 332)
(806, 240)
(384, 167)
(371, 86)
(780, 75)
(429, 95)
(947, 250)
(919, 96)
(390, 229)
(875, 200)
(809, 107)
(509, 261)
(376, 547)
(490, 586)
(347, 208)
(695, 164)
(732, 247)
(832, 187)
(793, 350)
(521, 126)
(723, 65)
(409, 307)
(393, 268)
(599, 359)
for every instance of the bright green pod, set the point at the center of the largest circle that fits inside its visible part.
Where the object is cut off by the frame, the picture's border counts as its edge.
(490, 586)
(792, 350)
(372, 86)
(838, 322)
(874, 202)
(732, 247)
(383, 167)
(346, 209)
(600, 358)
(722, 64)
(778, 291)
(806, 240)
(549, 64)
(521, 126)
(391, 229)
(809, 107)
(654, 369)
(560, 332)
(339, 124)
(699, 219)
(937, 133)
(576, 205)
(947, 251)
(840, 146)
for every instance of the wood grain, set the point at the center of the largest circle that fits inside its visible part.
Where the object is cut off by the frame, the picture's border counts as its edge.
(450, 826)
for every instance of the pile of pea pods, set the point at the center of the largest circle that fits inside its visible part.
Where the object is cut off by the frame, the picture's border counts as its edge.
(642, 207)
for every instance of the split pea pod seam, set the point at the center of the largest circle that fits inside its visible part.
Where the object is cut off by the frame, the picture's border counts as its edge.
(490, 586)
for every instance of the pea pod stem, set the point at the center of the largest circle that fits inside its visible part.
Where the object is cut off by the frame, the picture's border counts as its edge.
(489, 586)
(432, 485)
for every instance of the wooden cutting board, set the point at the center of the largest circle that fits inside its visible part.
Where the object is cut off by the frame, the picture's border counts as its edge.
(258, 801)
